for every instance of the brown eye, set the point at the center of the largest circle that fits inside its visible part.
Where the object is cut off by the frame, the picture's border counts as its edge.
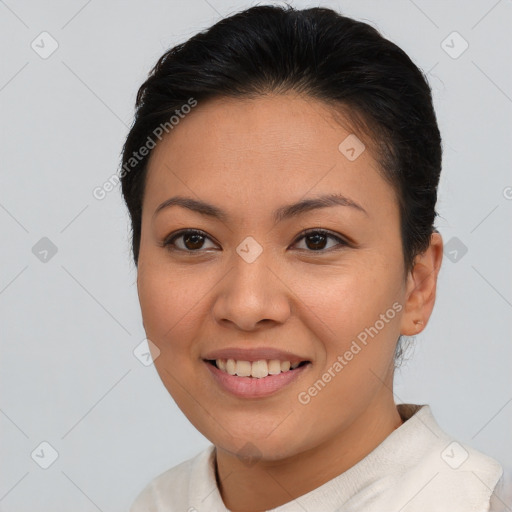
(192, 241)
(316, 240)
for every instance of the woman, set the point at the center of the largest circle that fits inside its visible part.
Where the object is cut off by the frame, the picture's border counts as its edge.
(281, 177)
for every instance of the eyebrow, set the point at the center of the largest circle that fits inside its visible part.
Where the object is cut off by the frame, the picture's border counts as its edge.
(282, 213)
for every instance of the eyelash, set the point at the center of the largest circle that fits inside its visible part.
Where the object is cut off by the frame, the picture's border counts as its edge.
(169, 241)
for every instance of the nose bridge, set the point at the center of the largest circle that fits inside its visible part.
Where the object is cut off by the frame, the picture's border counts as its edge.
(251, 291)
(251, 263)
(249, 250)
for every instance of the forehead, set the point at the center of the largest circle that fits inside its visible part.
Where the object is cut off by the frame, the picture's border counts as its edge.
(287, 127)
(262, 150)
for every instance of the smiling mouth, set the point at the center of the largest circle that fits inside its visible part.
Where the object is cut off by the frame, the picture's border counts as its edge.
(256, 369)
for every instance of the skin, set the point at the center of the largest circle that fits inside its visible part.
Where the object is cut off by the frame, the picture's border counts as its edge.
(250, 157)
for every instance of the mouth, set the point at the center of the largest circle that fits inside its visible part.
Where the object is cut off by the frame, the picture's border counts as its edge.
(255, 379)
(259, 369)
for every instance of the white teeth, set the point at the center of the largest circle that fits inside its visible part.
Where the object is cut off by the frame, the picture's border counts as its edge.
(243, 368)
(274, 366)
(231, 366)
(257, 369)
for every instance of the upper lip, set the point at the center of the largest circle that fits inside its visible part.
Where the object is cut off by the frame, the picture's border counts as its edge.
(254, 354)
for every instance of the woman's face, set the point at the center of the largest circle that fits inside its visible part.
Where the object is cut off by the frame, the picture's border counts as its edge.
(252, 287)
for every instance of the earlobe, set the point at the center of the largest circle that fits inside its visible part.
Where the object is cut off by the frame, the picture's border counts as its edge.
(419, 325)
(421, 288)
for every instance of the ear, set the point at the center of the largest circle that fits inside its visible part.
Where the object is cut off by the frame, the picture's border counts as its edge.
(421, 288)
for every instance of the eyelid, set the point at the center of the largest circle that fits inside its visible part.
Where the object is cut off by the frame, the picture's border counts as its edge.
(343, 242)
(173, 236)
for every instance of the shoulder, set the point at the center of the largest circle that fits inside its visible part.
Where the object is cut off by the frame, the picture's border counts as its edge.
(169, 491)
(453, 475)
(501, 498)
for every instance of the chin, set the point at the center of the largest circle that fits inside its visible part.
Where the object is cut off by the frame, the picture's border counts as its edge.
(251, 451)
(258, 440)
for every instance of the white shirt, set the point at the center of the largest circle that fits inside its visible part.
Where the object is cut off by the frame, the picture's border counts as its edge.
(417, 468)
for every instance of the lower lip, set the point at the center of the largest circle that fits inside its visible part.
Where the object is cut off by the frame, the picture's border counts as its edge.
(251, 387)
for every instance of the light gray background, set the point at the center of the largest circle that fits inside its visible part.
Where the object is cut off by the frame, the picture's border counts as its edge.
(69, 325)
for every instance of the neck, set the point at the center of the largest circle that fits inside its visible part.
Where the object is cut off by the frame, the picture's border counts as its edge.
(269, 484)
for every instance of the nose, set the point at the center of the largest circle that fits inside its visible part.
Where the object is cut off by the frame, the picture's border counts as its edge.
(252, 293)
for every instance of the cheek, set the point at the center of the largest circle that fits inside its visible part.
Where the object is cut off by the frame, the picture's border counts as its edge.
(169, 304)
(168, 299)
(341, 304)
